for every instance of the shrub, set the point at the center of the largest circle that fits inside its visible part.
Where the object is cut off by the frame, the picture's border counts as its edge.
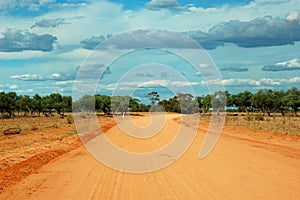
(5, 116)
(70, 119)
(259, 118)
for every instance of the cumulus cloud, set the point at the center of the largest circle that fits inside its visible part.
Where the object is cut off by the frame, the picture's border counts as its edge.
(8, 87)
(50, 23)
(289, 65)
(12, 40)
(144, 75)
(142, 38)
(252, 82)
(68, 5)
(33, 6)
(37, 77)
(294, 15)
(164, 4)
(26, 5)
(260, 32)
(29, 77)
(92, 42)
(235, 69)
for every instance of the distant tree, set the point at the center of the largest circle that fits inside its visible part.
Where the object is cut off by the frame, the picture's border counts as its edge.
(218, 100)
(103, 103)
(3, 103)
(143, 108)
(57, 99)
(187, 102)
(86, 103)
(66, 104)
(37, 104)
(134, 104)
(292, 99)
(26, 105)
(11, 98)
(242, 100)
(120, 104)
(206, 103)
(279, 102)
(153, 97)
(47, 105)
(264, 100)
(199, 100)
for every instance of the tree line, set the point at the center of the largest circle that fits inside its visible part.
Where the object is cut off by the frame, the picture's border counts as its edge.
(265, 101)
(12, 105)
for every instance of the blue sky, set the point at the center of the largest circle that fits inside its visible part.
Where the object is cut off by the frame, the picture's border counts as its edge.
(255, 44)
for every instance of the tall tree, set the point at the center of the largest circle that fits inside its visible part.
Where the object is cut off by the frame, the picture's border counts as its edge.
(206, 102)
(120, 104)
(66, 104)
(242, 100)
(153, 97)
(37, 104)
(57, 102)
(264, 100)
(279, 103)
(103, 103)
(292, 99)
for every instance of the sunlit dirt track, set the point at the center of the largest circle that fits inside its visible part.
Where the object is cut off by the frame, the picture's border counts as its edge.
(237, 168)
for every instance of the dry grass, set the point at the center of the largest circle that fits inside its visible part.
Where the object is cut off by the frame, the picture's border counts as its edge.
(288, 125)
(29, 124)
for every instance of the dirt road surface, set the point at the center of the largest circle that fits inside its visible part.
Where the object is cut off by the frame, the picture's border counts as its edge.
(237, 168)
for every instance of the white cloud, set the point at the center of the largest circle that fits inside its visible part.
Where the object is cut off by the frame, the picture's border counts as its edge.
(65, 82)
(290, 63)
(165, 4)
(14, 40)
(38, 77)
(28, 77)
(252, 82)
(294, 15)
(13, 86)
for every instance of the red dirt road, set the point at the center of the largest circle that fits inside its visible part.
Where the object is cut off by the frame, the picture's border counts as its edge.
(243, 165)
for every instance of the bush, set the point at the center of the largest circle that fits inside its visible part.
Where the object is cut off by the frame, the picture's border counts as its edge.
(70, 119)
(5, 116)
(259, 118)
(249, 118)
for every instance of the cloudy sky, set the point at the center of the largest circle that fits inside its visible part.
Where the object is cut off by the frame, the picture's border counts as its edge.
(254, 44)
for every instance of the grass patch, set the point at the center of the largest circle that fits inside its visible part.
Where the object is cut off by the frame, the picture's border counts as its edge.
(71, 132)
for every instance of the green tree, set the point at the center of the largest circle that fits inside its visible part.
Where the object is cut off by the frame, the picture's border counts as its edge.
(56, 98)
(37, 104)
(279, 103)
(3, 103)
(188, 104)
(134, 104)
(11, 98)
(218, 100)
(66, 104)
(292, 99)
(26, 105)
(206, 103)
(242, 100)
(153, 97)
(103, 103)
(264, 100)
(120, 104)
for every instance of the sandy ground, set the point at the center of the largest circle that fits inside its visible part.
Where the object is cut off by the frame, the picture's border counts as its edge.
(245, 164)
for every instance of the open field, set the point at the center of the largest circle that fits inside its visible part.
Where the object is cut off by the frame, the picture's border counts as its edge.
(287, 125)
(248, 162)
